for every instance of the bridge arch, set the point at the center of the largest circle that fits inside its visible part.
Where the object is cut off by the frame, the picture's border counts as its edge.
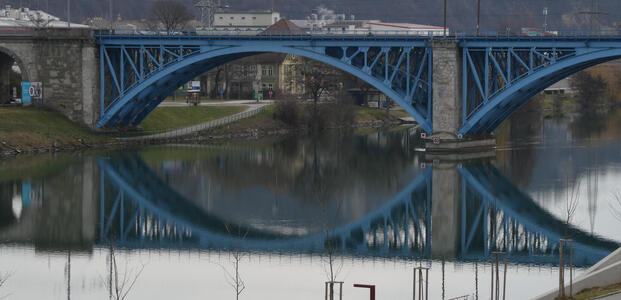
(132, 106)
(4, 50)
(507, 101)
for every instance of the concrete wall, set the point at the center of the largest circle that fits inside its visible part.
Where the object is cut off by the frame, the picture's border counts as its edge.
(66, 61)
(447, 92)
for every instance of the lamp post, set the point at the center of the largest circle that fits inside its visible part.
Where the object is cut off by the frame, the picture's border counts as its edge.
(545, 19)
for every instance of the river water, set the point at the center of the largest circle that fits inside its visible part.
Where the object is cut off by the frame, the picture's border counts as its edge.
(177, 219)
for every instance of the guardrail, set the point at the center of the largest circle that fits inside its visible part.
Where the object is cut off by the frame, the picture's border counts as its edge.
(426, 34)
(178, 133)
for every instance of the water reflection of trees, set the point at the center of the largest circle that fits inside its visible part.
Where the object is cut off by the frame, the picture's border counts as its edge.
(518, 132)
(317, 167)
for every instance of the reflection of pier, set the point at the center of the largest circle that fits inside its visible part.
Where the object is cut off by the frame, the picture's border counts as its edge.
(461, 213)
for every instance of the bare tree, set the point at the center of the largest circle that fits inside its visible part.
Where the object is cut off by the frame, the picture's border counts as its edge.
(173, 15)
(571, 204)
(39, 21)
(233, 277)
(3, 280)
(320, 81)
(120, 283)
(616, 207)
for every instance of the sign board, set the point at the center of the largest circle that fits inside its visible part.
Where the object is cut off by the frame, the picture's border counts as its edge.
(31, 91)
(194, 86)
(36, 90)
(26, 99)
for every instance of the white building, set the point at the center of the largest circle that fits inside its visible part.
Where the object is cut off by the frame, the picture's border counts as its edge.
(250, 22)
(324, 20)
(24, 17)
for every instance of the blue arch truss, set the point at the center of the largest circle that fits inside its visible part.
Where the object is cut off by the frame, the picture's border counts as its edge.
(139, 72)
(501, 74)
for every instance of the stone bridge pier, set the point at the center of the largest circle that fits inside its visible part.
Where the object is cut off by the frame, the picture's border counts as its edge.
(64, 60)
(447, 101)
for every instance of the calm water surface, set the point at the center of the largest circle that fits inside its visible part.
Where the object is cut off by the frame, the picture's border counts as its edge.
(179, 213)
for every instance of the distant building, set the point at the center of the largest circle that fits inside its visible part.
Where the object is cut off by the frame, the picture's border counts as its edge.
(325, 20)
(26, 18)
(247, 22)
(561, 87)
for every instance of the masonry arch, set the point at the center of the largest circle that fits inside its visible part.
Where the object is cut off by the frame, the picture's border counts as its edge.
(8, 77)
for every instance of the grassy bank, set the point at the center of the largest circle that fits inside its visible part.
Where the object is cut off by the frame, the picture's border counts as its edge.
(265, 121)
(28, 128)
(368, 114)
(596, 292)
(170, 118)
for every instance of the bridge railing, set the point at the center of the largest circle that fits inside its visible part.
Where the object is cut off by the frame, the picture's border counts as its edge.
(420, 33)
(190, 130)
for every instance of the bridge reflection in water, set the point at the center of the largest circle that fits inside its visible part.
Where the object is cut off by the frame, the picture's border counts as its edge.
(462, 213)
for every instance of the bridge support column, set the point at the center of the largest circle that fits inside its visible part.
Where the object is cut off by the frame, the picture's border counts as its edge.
(446, 89)
(445, 208)
(447, 101)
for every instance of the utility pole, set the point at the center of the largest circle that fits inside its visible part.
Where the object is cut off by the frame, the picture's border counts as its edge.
(68, 13)
(478, 16)
(208, 9)
(444, 18)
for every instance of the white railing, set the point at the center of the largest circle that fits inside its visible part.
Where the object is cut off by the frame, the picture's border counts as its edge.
(178, 133)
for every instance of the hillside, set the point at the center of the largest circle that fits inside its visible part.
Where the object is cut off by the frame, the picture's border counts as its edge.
(495, 15)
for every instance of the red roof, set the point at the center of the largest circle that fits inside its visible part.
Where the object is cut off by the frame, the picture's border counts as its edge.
(282, 26)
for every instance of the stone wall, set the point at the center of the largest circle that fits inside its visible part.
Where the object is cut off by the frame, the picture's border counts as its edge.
(447, 94)
(66, 62)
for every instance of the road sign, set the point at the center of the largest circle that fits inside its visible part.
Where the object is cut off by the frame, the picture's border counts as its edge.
(194, 86)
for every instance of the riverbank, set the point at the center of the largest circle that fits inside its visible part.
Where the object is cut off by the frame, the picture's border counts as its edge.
(30, 130)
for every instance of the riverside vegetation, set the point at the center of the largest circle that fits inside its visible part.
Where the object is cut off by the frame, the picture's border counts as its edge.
(28, 129)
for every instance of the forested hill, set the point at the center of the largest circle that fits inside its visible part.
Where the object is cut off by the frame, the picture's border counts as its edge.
(495, 14)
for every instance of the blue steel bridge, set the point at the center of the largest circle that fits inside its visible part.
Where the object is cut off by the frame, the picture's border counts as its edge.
(453, 85)
(142, 212)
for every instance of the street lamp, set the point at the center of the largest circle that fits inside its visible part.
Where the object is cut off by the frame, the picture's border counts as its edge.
(478, 17)
(545, 18)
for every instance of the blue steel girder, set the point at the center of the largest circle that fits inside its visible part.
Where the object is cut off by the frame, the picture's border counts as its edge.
(500, 76)
(142, 71)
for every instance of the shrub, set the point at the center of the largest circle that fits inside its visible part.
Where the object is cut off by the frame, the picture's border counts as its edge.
(288, 112)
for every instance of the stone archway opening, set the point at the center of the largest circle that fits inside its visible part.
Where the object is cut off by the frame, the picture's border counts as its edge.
(11, 76)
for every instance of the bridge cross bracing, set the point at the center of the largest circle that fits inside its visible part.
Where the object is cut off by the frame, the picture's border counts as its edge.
(496, 74)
